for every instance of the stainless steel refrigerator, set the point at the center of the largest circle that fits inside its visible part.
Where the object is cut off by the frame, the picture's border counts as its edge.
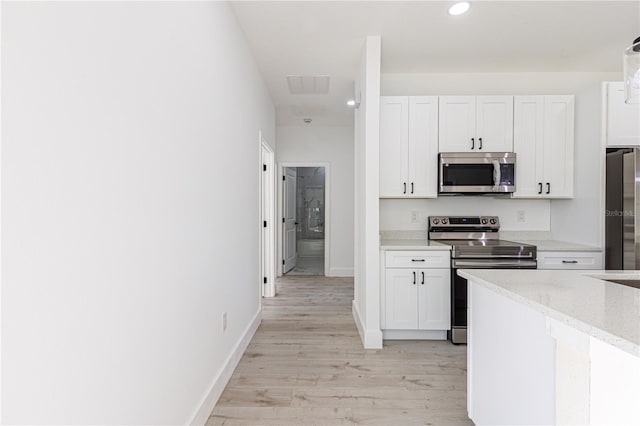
(622, 214)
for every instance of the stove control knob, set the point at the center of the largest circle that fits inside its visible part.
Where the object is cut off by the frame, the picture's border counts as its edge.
(444, 221)
(493, 221)
(435, 221)
(484, 221)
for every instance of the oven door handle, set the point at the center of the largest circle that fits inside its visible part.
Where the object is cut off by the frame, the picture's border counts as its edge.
(515, 265)
(496, 256)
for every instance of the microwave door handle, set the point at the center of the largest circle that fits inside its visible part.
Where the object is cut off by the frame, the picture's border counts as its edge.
(496, 175)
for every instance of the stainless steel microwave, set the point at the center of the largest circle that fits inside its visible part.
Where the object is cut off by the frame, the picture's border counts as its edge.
(477, 173)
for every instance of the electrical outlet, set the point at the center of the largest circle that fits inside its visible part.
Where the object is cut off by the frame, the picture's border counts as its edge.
(414, 216)
(522, 216)
(224, 321)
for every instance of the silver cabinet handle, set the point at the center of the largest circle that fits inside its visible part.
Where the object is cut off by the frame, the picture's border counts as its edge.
(417, 260)
(480, 140)
(539, 187)
(548, 187)
(473, 143)
(569, 261)
(414, 277)
(412, 187)
(404, 191)
(422, 278)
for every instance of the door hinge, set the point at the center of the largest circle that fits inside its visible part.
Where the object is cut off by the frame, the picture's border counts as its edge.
(264, 224)
(284, 178)
(264, 167)
(264, 280)
(283, 220)
(283, 261)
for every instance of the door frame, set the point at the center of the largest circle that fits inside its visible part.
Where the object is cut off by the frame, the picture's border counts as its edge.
(267, 206)
(289, 222)
(327, 209)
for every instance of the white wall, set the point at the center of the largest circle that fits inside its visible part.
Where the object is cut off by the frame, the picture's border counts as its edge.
(366, 304)
(540, 214)
(582, 219)
(130, 214)
(333, 145)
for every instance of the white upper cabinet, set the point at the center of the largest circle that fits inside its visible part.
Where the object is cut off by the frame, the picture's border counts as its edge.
(476, 124)
(494, 123)
(394, 145)
(457, 124)
(544, 143)
(408, 146)
(622, 119)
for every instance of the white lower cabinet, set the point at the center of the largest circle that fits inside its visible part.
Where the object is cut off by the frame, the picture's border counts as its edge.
(570, 260)
(416, 298)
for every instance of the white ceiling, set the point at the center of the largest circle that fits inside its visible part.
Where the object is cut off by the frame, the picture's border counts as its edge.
(326, 38)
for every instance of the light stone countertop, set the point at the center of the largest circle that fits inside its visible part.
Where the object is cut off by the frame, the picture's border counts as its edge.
(580, 299)
(412, 244)
(554, 245)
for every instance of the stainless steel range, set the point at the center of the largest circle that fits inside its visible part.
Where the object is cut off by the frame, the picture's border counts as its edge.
(476, 245)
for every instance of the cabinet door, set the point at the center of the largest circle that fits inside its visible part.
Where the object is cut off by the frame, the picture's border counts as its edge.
(623, 120)
(558, 146)
(394, 145)
(434, 299)
(401, 309)
(457, 124)
(494, 123)
(423, 146)
(528, 142)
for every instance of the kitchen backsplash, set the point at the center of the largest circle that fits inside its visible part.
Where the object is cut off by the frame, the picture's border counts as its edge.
(515, 215)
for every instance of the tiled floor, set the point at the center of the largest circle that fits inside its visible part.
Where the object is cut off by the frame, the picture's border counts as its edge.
(308, 265)
(306, 365)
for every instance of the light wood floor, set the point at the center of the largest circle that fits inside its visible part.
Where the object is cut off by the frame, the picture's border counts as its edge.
(306, 365)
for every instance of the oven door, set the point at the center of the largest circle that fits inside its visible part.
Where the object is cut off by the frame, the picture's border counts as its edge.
(477, 173)
(458, 334)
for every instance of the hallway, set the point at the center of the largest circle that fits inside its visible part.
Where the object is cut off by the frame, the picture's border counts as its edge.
(306, 365)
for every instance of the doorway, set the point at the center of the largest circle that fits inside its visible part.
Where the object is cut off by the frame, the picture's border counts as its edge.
(304, 244)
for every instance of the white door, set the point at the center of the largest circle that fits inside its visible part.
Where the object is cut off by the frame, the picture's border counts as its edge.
(434, 299)
(394, 135)
(457, 124)
(289, 249)
(268, 225)
(528, 143)
(401, 310)
(423, 146)
(494, 123)
(558, 146)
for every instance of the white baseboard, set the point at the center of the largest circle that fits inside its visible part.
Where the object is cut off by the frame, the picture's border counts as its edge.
(371, 339)
(341, 272)
(414, 334)
(207, 404)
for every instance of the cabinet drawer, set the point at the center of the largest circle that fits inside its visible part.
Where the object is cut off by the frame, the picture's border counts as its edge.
(569, 260)
(418, 259)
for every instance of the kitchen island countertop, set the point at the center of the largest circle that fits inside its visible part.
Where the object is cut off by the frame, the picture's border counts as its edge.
(584, 300)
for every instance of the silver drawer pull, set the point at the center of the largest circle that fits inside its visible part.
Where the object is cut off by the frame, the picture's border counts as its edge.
(569, 261)
(417, 260)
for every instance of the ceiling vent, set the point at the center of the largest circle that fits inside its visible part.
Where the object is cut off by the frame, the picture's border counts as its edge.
(308, 84)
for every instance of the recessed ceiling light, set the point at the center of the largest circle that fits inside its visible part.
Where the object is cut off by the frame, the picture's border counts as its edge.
(459, 8)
